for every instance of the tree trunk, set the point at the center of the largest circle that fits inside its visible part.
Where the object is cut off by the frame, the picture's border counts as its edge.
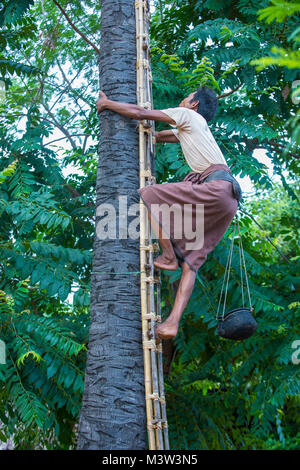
(113, 411)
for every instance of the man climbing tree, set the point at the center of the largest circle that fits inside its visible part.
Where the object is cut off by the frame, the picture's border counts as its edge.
(218, 197)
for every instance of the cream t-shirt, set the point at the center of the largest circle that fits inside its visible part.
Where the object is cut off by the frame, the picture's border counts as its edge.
(197, 142)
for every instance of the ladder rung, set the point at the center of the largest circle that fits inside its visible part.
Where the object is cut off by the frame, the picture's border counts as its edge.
(151, 344)
(139, 2)
(152, 178)
(148, 266)
(157, 424)
(147, 126)
(151, 279)
(155, 396)
(151, 316)
(146, 105)
(144, 62)
(150, 247)
(146, 173)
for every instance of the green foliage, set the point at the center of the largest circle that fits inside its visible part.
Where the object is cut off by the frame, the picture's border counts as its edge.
(46, 229)
(43, 374)
(222, 394)
(14, 32)
(42, 381)
(13, 10)
(279, 57)
(202, 75)
(232, 395)
(279, 11)
(283, 57)
(252, 110)
(9, 171)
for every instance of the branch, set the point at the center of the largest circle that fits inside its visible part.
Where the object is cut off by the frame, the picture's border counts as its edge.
(84, 143)
(75, 28)
(54, 120)
(266, 236)
(74, 194)
(254, 144)
(62, 138)
(282, 146)
(285, 92)
(76, 98)
(230, 92)
(40, 92)
(58, 125)
(69, 83)
(72, 190)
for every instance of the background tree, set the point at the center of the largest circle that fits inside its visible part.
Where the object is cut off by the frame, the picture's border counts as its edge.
(46, 223)
(113, 411)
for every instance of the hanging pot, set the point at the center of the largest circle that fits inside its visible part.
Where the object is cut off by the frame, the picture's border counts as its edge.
(239, 323)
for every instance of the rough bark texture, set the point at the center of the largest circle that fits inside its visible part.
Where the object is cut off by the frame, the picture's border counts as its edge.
(113, 410)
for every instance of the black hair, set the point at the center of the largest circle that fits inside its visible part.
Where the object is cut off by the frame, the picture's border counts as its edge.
(208, 102)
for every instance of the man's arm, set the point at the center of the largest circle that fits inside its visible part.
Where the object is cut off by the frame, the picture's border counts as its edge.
(166, 136)
(131, 110)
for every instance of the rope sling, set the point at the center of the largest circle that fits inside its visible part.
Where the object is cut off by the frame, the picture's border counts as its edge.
(227, 271)
(239, 323)
(157, 426)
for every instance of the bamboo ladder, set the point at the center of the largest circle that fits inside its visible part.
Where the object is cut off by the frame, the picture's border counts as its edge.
(157, 425)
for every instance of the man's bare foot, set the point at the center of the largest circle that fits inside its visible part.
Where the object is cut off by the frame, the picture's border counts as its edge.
(166, 330)
(165, 263)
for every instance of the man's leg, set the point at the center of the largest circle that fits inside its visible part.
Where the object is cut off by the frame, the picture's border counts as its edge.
(167, 260)
(169, 328)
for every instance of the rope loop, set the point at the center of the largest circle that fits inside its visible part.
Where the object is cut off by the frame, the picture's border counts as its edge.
(228, 267)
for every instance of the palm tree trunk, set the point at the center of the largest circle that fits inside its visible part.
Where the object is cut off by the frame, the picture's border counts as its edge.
(113, 410)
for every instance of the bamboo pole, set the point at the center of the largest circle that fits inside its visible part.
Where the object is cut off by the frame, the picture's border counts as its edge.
(151, 302)
(155, 377)
(153, 370)
(146, 352)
